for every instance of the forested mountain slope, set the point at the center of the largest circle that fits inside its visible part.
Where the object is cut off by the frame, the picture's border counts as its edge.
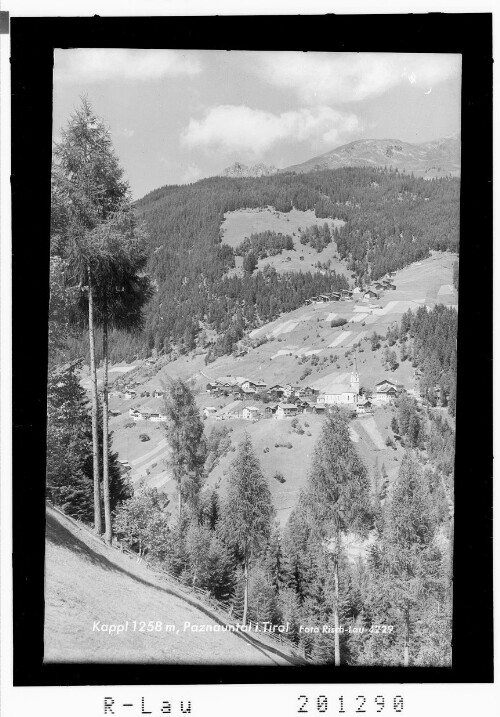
(391, 219)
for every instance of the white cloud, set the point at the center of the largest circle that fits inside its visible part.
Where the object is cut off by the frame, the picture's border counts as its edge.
(239, 128)
(103, 64)
(192, 174)
(320, 78)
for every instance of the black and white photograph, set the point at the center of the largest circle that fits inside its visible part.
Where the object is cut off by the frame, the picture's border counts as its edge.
(251, 389)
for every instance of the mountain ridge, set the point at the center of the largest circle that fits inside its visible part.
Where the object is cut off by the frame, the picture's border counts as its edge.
(435, 158)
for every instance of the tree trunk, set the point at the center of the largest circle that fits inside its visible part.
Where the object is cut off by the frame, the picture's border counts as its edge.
(245, 599)
(336, 611)
(95, 409)
(108, 529)
(179, 503)
(407, 640)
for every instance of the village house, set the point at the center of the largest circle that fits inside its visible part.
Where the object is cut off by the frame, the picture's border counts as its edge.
(364, 405)
(346, 294)
(370, 294)
(158, 417)
(250, 413)
(249, 386)
(285, 410)
(157, 393)
(247, 393)
(130, 394)
(133, 412)
(308, 392)
(385, 391)
(270, 410)
(212, 387)
(209, 411)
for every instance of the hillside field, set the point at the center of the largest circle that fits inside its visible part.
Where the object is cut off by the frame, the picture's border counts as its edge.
(242, 223)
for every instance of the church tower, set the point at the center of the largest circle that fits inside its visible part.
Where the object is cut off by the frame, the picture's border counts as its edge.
(355, 378)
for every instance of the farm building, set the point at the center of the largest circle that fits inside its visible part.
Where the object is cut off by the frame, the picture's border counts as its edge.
(346, 294)
(270, 410)
(129, 394)
(319, 408)
(209, 411)
(212, 387)
(286, 410)
(370, 295)
(132, 412)
(157, 393)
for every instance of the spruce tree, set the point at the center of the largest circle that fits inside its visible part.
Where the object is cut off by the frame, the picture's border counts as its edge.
(411, 562)
(184, 433)
(340, 489)
(247, 511)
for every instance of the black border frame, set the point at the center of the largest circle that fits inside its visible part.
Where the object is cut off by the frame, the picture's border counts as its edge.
(32, 43)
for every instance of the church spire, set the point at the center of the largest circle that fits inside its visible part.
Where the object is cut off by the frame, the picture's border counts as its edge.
(355, 377)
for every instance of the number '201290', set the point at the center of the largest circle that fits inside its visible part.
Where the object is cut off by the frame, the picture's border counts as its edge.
(362, 704)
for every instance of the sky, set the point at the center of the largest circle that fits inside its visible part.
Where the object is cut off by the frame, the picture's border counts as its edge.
(178, 116)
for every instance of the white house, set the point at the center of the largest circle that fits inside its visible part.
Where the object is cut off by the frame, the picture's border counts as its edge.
(250, 413)
(249, 386)
(158, 417)
(209, 411)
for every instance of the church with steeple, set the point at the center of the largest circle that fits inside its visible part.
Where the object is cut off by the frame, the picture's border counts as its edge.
(342, 392)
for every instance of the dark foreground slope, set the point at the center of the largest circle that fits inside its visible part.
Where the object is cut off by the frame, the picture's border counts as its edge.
(85, 582)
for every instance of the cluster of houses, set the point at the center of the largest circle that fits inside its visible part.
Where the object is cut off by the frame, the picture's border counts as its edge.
(330, 296)
(288, 401)
(154, 416)
(345, 294)
(129, 394)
